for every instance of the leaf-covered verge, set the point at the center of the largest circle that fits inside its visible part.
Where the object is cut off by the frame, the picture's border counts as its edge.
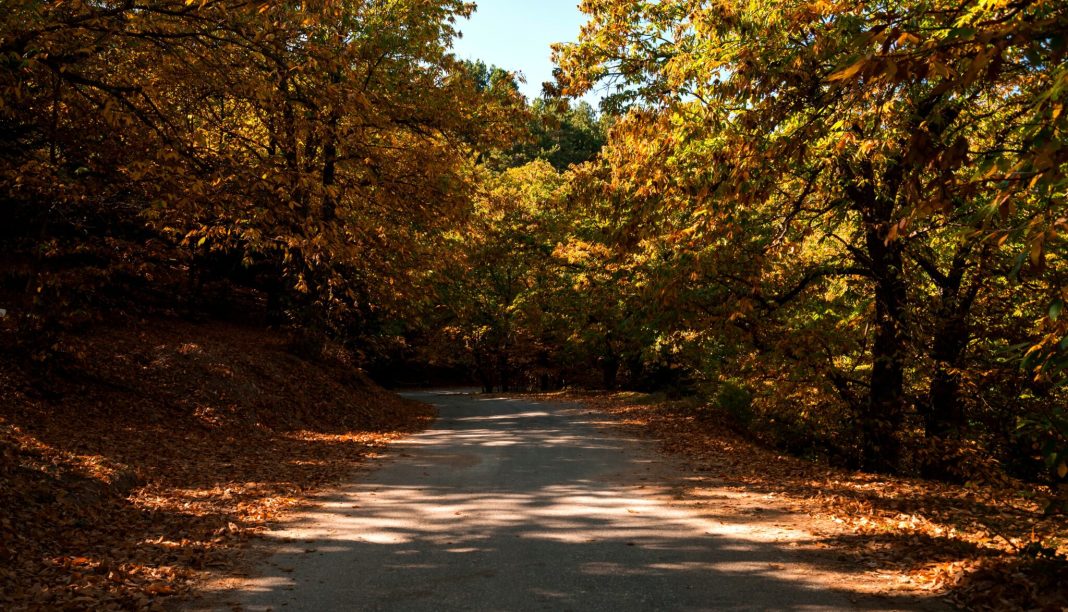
(160, 449)
(985, 547)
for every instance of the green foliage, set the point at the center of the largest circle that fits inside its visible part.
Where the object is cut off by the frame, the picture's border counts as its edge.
(1047, 432)
(863, 202)
(562, 134)
(733, 398)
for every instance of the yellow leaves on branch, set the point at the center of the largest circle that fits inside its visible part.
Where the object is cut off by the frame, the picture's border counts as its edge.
(849, 71)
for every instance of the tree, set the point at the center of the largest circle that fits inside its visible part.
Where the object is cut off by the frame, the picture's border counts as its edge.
(894, 146)
(495, 295)
(325, 145)
(564, 135)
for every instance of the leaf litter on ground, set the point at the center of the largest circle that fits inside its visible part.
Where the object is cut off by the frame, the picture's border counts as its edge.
(160, 448)
(981, 546)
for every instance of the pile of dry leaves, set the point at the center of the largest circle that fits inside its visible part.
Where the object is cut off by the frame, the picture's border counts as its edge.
(156, 450)
(987, 547)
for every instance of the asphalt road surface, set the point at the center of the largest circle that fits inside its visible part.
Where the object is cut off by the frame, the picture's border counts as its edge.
(515, 505)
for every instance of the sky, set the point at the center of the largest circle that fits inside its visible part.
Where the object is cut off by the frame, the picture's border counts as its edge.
(516, 35)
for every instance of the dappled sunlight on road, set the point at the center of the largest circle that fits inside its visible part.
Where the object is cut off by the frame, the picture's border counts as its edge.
(512, 505)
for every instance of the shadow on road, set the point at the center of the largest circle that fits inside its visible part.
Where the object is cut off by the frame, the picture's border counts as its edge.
(512, 505)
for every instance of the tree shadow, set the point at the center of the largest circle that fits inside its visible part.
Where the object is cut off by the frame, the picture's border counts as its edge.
(170, 447)
(968, 542)
(510, 505)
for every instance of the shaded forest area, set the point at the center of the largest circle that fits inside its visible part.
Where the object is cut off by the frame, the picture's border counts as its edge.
(164, 448)
(836, 226)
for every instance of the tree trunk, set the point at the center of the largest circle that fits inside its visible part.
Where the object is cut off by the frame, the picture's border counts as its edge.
(610, 371)
(943, 413)
(485, 375)
(883, 413)
(330, 159)
(503, 370)
(884, 416)
(635, 371)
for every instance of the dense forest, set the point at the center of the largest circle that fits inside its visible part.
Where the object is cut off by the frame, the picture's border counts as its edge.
(839, 223)
(837, 226)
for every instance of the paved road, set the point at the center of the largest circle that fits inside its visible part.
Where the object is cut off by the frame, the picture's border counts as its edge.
(516, 505)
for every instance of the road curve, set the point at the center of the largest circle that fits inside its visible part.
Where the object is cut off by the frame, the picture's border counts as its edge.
(510, 504)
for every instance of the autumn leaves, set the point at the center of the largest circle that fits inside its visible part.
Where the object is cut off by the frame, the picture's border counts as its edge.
(852, 212)
(860, 202)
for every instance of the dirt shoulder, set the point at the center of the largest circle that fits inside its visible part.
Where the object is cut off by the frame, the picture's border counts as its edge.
(981, 547)
(159, 448)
